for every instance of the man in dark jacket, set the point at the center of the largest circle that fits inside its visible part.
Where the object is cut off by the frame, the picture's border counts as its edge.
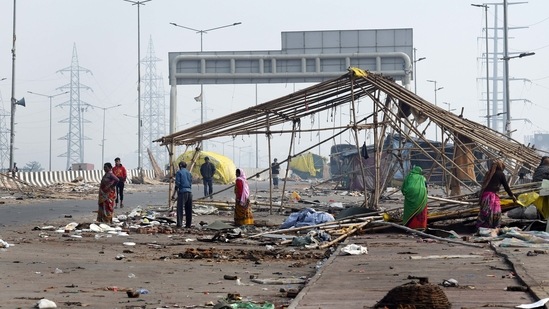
(275, 171)
(207, 170)
(542, 171)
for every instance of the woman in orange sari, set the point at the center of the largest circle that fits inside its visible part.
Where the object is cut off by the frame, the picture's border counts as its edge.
(242, 209)
(107, 195)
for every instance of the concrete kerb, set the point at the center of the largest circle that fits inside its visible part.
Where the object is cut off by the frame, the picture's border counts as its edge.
(535, 287)
(45, 178)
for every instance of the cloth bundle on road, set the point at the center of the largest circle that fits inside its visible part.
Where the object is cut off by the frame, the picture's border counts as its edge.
(306, 217)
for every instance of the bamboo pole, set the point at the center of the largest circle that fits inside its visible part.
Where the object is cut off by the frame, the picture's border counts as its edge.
(287, 166)
(379, 141)
(345, 235)
(435, 198)
(321, 225)
(355, 131)
(407, 229)
(269, 136)
(171, 180)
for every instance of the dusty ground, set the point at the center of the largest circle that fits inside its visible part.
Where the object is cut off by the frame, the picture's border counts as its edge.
(177, 268)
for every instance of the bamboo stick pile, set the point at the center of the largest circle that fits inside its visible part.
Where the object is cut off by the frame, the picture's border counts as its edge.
(340, 229)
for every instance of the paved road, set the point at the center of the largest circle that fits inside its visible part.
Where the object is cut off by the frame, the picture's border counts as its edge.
(483, 274)
(15, 213)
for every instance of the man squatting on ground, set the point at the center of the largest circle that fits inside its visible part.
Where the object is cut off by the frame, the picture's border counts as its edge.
(119, 171)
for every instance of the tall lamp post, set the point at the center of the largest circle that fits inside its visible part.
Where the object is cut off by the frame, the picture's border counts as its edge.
(436, 90)
(13, 100)
(415, 69)
(202, 32)
(49, 97)
(139, 133)
(485, 6)
(103, 139)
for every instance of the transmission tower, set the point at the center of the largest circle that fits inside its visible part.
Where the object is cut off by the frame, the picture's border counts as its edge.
(154, 109)
(75, 137)
(498, 111)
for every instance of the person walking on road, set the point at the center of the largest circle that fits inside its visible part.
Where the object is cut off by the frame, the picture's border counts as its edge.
(207, 170)
(489, 215)
(183, 184)
(119, 171)
(242, 209)
(275, 170)
(106, 195)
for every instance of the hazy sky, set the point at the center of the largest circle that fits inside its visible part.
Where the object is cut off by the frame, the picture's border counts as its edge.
(446, 32)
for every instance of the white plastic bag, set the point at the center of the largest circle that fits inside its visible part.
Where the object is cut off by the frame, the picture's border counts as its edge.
(353, 249)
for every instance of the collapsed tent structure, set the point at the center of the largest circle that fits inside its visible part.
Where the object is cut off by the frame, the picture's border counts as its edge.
(224, 172)
(395, 111)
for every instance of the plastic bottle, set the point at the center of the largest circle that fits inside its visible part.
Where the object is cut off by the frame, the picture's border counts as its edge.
(142, 291)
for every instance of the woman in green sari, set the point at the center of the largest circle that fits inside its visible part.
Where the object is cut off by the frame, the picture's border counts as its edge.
(414, 190)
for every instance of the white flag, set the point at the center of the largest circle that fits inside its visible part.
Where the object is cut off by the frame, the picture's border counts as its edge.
(198, 98)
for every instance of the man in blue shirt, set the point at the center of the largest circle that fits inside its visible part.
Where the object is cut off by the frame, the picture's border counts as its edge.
(183, 184)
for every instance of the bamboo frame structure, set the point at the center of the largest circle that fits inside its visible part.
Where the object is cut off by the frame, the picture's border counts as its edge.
(387, 98)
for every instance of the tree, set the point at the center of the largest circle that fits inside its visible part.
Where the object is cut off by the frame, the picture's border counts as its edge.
(33, 166)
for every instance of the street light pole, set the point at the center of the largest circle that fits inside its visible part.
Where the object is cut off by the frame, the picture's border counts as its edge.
(103, 139)
(13, 100)
(49, 97)
(506, 71)
(202, 32)
(485, 6)
(415, 69)
(139, 133)
(436, 90)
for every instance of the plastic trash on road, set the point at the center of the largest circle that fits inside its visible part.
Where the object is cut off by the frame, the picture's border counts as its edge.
(537, 304)
(243, 305)
(353, 249)
(142, 291)
(4, 244)
(450, 283)
(45, 304)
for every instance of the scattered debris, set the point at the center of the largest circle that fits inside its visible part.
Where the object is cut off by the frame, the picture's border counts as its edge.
(133, 294)
(4, 244)
(45, 304)
(538, 304)
(280, 281)
(450, 283)
(353, 249)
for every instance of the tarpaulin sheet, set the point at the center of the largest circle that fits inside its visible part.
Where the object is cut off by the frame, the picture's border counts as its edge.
(224, 167)
(304, 163)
